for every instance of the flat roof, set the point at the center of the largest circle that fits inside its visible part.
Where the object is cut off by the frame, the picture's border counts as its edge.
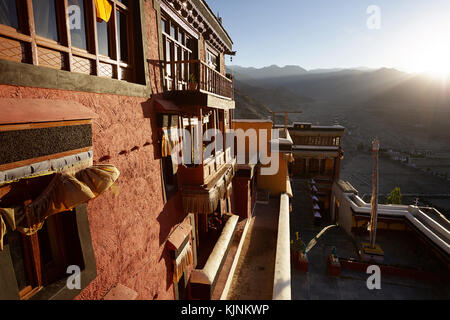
(253, 120)
(314, 148)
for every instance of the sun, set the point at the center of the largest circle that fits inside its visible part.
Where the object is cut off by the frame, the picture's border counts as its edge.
(435, 61)
(430, 53)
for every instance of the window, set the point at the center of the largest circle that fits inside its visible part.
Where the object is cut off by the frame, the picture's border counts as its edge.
(170, 178)
(78, 26)
(42, 259)
(212, 60)
(177, 48)
(67, 36)
(34, 267)
(8, 13)
(45, 16)
(104, 47)
(168, 124)
(122, 31)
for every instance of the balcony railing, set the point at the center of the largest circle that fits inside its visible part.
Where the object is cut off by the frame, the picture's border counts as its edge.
(202, 174)
(195, 75)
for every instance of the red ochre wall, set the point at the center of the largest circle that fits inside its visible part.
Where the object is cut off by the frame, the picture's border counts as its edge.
(242, 201)
(128, 230)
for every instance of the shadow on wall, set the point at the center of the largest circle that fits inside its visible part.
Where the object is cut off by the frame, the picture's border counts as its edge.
(148, 111)
(172, 213)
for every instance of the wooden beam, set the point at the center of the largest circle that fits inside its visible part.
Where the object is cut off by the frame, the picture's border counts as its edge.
(4, 190)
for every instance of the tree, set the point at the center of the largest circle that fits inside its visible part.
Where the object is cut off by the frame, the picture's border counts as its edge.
(395, 197)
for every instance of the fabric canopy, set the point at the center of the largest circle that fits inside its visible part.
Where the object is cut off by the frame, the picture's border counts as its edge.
(170, 146)
(205, 201)
(170, 141)
(65, 192)
(184, 259)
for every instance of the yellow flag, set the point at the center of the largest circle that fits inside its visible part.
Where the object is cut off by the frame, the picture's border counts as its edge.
(103, 8)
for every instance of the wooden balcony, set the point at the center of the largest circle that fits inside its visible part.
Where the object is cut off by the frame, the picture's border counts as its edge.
(203, 174)
(195, 75)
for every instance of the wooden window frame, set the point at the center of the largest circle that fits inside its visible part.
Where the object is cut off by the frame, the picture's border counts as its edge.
(34, 44)
(57, 290)
(182, 49)
(39, 276)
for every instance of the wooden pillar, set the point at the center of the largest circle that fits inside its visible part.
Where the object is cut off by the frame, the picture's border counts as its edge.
(200, 116)
(337, 168)
(32, 31)
(306, 166)
(215, 129)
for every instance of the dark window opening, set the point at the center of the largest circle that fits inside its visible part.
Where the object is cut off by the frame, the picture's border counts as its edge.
(170, 178)
(103, 38)
(8, 13)
(122, 31)
(45, 19)
(42, 259)
(77, 23)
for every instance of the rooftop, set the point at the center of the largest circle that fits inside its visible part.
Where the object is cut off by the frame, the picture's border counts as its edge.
(402, 249)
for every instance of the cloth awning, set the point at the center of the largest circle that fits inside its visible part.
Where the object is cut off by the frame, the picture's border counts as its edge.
(171, 146)
(179, 242)
(178, 236)
(205, 200)
(170, 141)
(72, 162)
(184, 259)
(66, 191)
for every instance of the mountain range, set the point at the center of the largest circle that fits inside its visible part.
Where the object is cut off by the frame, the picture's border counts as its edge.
(408, 111)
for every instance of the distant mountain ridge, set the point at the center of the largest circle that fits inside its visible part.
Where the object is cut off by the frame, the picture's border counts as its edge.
(275, 71)
(405, 110)
(272, 71)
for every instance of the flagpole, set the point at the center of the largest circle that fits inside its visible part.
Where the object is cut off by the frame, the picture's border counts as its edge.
(374, 200)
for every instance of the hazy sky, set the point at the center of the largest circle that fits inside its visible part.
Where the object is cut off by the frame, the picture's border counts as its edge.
(414, 35)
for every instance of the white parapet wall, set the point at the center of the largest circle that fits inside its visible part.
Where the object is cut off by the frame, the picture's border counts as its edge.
(350, 203)
(282, 274)
(209, 274)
